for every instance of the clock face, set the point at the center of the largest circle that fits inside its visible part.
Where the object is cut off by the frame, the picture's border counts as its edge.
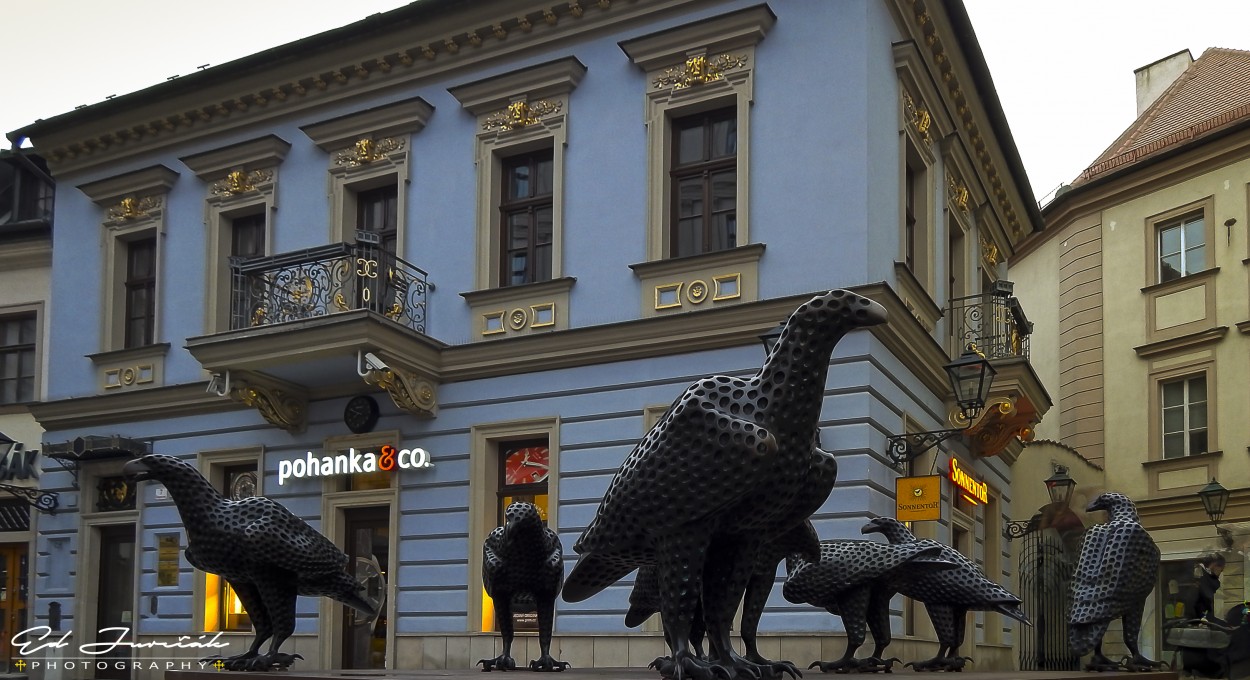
(243, 485)
(528, 465)
(361, 414)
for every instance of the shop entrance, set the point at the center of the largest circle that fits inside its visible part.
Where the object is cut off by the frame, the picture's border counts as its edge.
(115, 595)
(13, 590)
(368, 531)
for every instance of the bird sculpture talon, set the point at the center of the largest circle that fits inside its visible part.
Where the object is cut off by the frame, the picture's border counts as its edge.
(267, 662)
(1101, 664)
(874, 664)
(844, 665)
(502, 662)
(689, 666)
(939, 663)
(1140, 664)
(546, 663)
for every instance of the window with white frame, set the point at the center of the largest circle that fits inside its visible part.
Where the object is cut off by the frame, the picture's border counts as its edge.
(1182, 247)
(1184, 416)
(17, 358)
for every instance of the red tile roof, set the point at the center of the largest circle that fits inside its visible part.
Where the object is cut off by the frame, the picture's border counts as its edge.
(1212, 93)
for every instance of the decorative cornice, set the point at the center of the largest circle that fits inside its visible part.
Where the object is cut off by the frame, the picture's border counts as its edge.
(715, 35)
(150, 181)
(261, 152)
(209, 102)
(549, 79)
(392, 120)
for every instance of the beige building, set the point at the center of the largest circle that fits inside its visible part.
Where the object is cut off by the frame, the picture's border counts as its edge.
(26, 194)
(1138, 288)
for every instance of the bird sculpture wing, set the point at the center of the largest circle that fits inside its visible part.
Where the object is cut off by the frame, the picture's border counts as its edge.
(271, 534)
(661, 487)
(1100, 570)
(492, 560)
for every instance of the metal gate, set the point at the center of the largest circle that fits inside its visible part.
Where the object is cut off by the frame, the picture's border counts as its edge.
(1047, 563)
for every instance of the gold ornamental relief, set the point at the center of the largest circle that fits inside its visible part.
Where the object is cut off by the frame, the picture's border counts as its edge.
(957, 193)
(918, 117)
(520, 114)
(368, 151)
(698, 70)
(131, 207)
(240, 182)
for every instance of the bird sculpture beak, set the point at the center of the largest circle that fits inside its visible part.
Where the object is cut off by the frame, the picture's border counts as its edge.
(136, 470)
(876, 314)
(869, 528)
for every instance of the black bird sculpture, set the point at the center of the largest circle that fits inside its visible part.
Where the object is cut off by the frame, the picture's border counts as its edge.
(716, 476)
(947, 595)
(1116, 571)
(852, 580)
(267, 554)
(522, 565)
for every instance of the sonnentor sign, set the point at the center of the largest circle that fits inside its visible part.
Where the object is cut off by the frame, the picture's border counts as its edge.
(353, 462)
(975, 491)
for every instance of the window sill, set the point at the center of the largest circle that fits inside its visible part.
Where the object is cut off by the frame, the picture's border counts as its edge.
(1182, 462)
(706, 281)
(520, 310)
(131, 368)
(1182, 283)
(1188, 341)
(918, 300)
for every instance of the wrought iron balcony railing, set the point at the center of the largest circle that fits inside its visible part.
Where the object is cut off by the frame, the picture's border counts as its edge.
(994, 321)
(326, 280)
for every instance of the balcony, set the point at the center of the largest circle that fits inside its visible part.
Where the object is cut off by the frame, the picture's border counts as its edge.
(321, 281)
(994, 325)
(302, 323)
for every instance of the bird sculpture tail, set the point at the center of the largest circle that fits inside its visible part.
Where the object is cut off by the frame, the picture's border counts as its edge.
(342, 587)
(593, 573)
(1082, 637)
(644, 599)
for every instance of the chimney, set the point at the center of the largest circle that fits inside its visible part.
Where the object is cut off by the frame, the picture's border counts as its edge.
(1153, 79)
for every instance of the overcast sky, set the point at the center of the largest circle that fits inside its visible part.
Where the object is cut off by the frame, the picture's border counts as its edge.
(1063, 68)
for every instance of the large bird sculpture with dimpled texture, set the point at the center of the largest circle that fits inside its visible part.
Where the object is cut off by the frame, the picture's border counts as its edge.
(1116, 571)
(716, 476)
(523, 564)
(853, 580)
(268, 555)
(948, 595)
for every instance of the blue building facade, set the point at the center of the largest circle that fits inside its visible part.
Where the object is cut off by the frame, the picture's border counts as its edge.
(472, 251)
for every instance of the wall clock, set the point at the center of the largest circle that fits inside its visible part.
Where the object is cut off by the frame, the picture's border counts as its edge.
(528, 465)
(361, 414)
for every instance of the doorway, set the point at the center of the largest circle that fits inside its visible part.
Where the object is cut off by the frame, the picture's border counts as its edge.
(14, 561)
(115, 596)
(368, 532)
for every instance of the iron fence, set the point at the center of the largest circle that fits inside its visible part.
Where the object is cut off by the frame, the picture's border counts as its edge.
(326, 280)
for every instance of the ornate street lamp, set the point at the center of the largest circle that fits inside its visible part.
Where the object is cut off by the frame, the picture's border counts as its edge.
(1059, 485)
(1214, 500)
(971, 377)
(770, 337)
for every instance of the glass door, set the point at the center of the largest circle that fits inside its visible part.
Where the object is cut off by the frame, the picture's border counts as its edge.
(13, 592)
(368, 546)
(115, 595)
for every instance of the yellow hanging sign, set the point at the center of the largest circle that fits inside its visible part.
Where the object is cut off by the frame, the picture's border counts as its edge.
(918, 498)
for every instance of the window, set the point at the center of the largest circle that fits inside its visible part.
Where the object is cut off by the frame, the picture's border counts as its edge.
(699, 88)
(140, 292)
(24, 197)
(524, 467)
(704, 177)
(17, 359)
(1182, 247)
(527, 218)
(1184, 417)
(247, 236)
(917, 224)
(377, 212)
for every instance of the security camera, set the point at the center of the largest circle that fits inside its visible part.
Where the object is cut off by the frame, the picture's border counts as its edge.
(374, 363)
